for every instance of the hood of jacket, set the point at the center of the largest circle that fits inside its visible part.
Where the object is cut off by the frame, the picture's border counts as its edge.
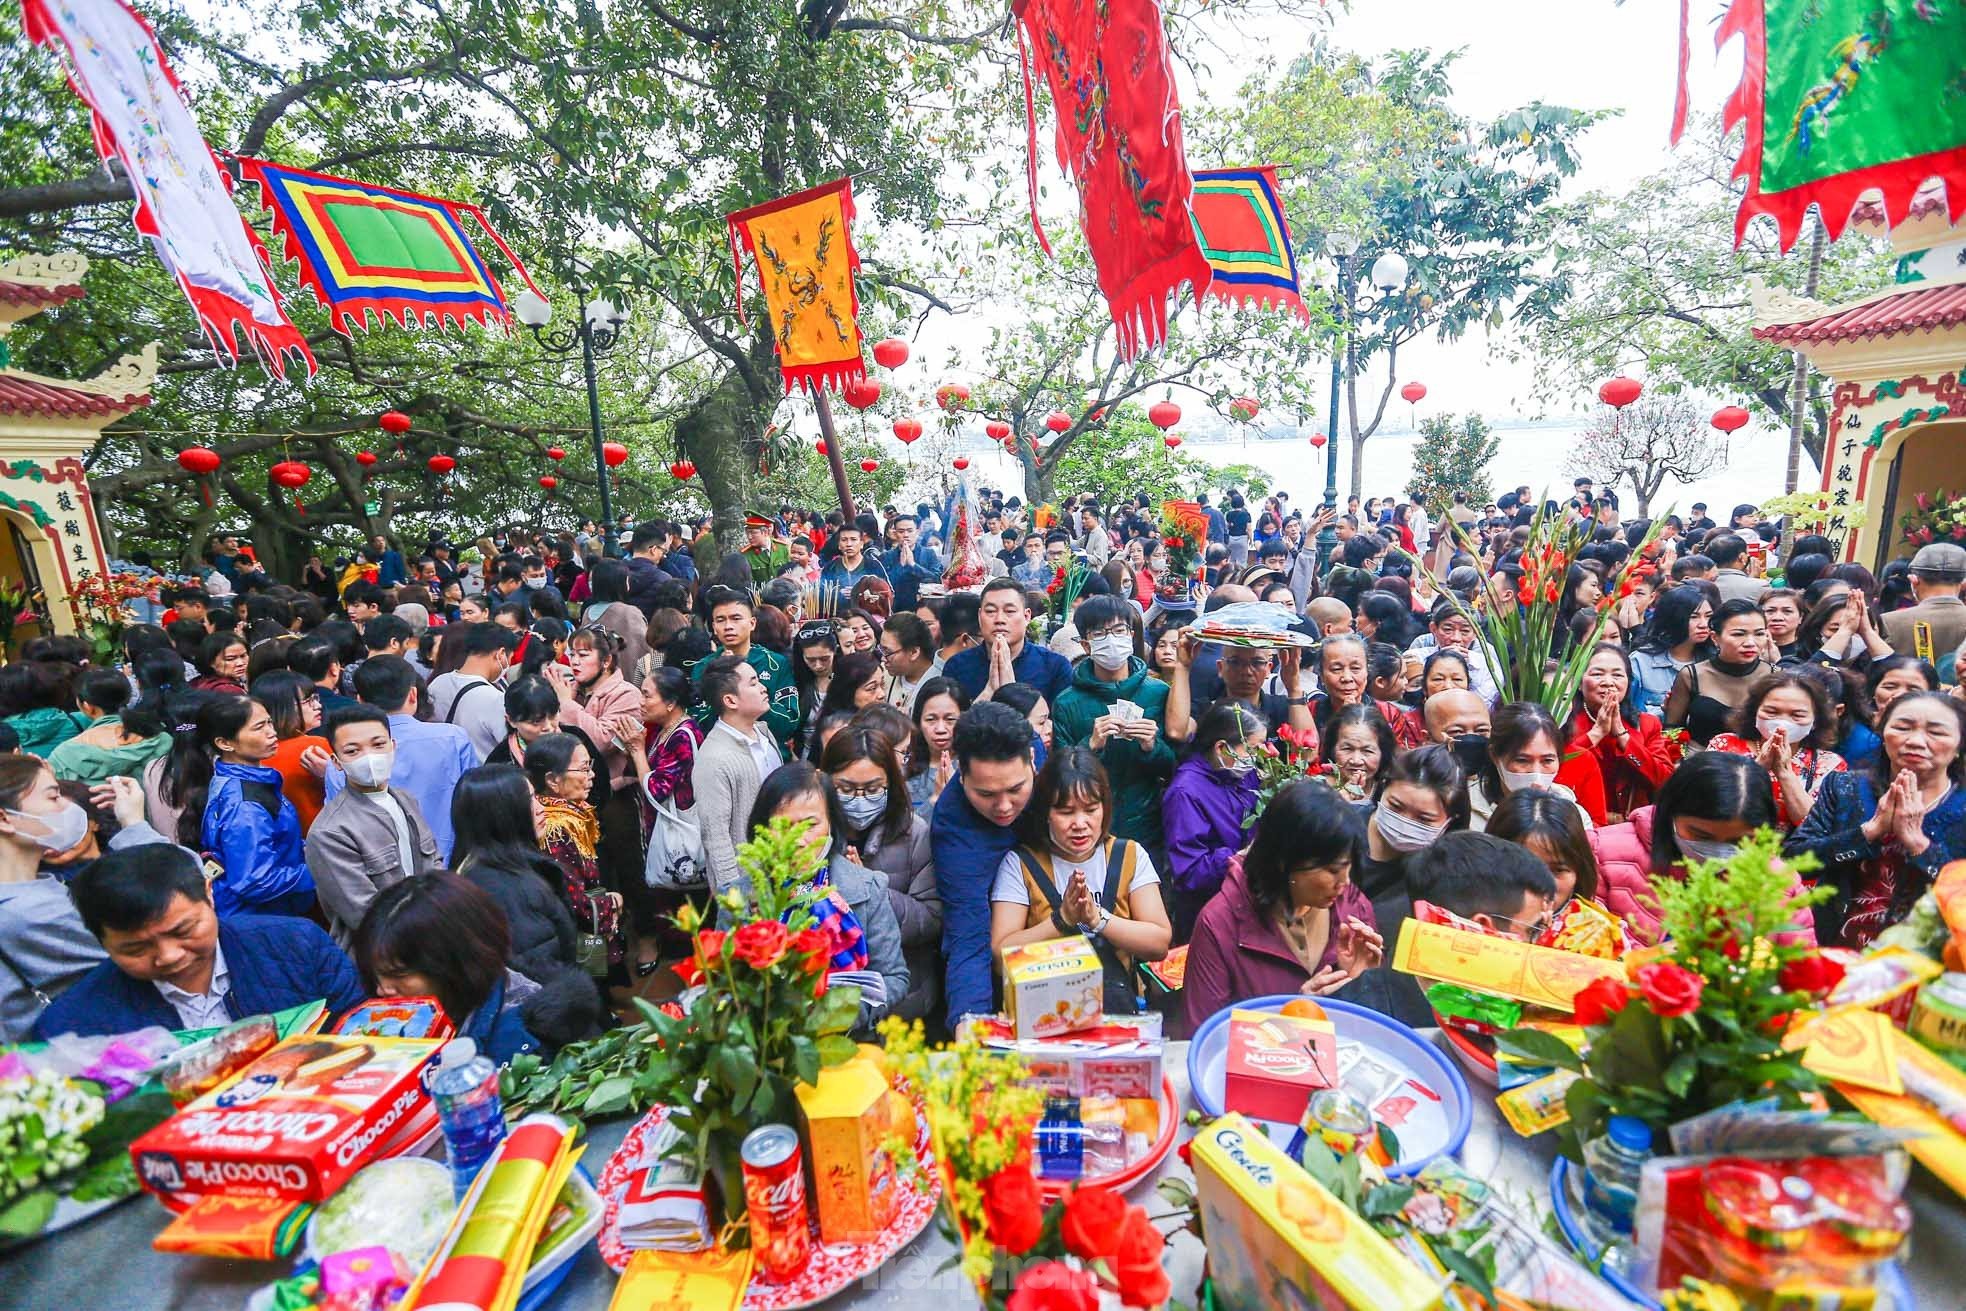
(1085, 677)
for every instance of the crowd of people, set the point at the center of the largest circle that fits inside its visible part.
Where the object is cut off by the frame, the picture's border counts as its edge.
(495, 777)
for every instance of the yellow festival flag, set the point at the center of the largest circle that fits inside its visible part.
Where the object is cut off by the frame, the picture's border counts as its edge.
(803, 246)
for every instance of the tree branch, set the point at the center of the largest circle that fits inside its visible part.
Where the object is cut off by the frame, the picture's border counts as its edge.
(102, 187)
(915, 34)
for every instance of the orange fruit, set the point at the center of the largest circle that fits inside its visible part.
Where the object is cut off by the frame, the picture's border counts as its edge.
(1303, 1008)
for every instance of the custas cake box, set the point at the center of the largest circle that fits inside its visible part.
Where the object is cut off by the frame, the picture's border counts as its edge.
(295, 1123)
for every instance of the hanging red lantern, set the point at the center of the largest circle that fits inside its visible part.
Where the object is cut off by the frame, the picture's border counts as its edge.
(1164, 415)
(548, 481)
(952, 396)
(1620, 391)
(1730, 418)
(861, 393)
(869, 465)
(1317, 441)
(820, 446)
(907, 429)
(614, 453)
(683, 470)
(290, 473)
(198, 459)
(997, 429)
(961, 462)
(365, 458)
(1413, 392)
(394, 422)
(440, 464)
(1058, 421)
(1243, 409)
(1171, 441)
(556, 453)
(891, 352)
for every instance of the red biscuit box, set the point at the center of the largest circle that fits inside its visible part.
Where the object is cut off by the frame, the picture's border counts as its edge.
(295, 1123)
(1276, 1062)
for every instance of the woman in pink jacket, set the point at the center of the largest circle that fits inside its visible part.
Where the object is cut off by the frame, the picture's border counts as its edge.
(1711, 802)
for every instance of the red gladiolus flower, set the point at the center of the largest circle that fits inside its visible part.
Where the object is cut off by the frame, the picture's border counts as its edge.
(1090, 1227)
(1814, 974)
(1137, 1264)
(1054, 1286)
(1600, 1000)
(1549, 593)
(1670, 990)
(688, 971)
(1186, 1151)
(760, 943)
(1013, 1213)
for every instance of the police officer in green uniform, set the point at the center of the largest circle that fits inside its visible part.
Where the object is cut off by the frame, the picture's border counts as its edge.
(764, 550)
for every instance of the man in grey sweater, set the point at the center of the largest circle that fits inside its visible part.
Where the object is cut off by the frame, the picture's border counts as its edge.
(736, 756)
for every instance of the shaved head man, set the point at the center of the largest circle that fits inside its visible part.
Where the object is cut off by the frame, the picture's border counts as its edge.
(1456, 712)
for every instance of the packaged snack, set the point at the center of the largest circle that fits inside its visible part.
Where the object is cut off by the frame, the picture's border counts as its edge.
(406, 1202)
(1938, 1014)
(250, 1228)
(368, 1273)
(1275, 1062)
(1277, 1238)
(664, 1204)
(1476, 1012)
(1884, 980)
(1537, 1105)
(1540, 976)
(193, 1071)
(1053, 987)
(295, 1123)
(1531, 1268)
(710, 1280)
(848, 1124)
(1120, 1056)
(1169, 973)
(397, 1017)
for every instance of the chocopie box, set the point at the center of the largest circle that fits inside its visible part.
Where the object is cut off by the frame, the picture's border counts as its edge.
(1276, 1062)
(1118, 1057)
(295, 1123)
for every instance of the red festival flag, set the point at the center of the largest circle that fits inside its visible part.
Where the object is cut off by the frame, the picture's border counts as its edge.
(1119, 139)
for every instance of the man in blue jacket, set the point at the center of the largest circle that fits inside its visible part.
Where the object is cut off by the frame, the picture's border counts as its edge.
(1003, 621)
(974, 827)
(172, 963)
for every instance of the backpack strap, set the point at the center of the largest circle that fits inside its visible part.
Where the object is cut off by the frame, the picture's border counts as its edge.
(1040, 878)
(458, 700)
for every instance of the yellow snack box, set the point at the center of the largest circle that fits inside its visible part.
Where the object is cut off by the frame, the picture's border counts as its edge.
(1053, 987)
(1508, 967)
(1276, 1237)
(848, 1119)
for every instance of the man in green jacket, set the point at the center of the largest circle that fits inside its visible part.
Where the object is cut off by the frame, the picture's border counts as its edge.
(733, 618)
(1136, 749)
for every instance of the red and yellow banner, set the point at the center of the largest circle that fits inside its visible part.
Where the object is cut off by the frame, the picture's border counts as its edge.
(803, 247)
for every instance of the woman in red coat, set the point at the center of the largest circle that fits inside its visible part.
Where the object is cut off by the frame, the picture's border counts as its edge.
(1628, 745)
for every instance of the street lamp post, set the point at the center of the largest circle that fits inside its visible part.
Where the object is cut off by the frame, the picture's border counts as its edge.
(597, 333)
(1343, 245)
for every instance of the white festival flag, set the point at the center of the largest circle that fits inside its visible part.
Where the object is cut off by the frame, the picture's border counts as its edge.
(183, 204)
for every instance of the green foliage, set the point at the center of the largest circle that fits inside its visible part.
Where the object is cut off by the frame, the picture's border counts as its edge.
(1452, 459)
(1253, 481)
(1656, 281)
(1125, 455)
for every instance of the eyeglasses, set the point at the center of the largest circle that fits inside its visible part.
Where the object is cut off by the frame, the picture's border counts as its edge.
(861, 790)
(1111, 630)
(587, 768)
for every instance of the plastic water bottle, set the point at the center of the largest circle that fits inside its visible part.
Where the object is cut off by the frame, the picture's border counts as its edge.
(465, 1087)
(1612, 1164)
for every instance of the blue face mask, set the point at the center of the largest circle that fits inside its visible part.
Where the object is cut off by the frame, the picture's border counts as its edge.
(863, 812)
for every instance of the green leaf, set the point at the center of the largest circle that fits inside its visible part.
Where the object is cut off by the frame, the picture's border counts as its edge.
(1466, 1271)
(805, 1059)
(28, 1215)
(1680, 1074)
(1385, 1201)
(1539, 1048)
(608, 1096)
(836, 1050)
(1177, 1192)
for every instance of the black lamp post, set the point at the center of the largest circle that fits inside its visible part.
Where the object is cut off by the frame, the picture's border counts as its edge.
(597, 333)
(1343, 245)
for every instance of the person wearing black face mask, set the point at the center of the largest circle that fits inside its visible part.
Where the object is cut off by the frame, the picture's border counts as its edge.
(1458, 720)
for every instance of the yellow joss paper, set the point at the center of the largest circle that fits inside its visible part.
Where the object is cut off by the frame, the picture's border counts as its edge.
(1508, 967)
(481, 1264)
(710, 1280)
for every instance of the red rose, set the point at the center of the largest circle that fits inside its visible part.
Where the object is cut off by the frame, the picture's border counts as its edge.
(1137, 1267)
(1600, 1000)
(1090, 1227)
(1670, 989)
(760, 943)
(1013, 1213)
(1054, 1286)
(710, 945)
(1186, 1151)
(688, 971)
(816, 945)
(1814, 974)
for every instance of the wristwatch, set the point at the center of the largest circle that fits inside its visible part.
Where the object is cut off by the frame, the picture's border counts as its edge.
(1098, 928)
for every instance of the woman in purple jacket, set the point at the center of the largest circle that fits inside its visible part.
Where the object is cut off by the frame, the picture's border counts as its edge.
(1289, 918)
(1207, 806)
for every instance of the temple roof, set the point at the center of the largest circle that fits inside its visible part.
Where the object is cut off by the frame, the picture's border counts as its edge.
(1916, 309)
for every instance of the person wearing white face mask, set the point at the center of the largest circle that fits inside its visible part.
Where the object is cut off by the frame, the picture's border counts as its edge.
(1424, 790)
(1524, 751)
(1786, 725)
(1129, 718)
(885, 836)
(44, 945)
(369, 835)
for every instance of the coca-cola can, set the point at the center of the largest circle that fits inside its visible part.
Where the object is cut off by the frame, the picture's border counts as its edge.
(775, 1196)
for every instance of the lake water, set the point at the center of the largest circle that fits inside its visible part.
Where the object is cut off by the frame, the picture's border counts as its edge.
(1537, 454)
